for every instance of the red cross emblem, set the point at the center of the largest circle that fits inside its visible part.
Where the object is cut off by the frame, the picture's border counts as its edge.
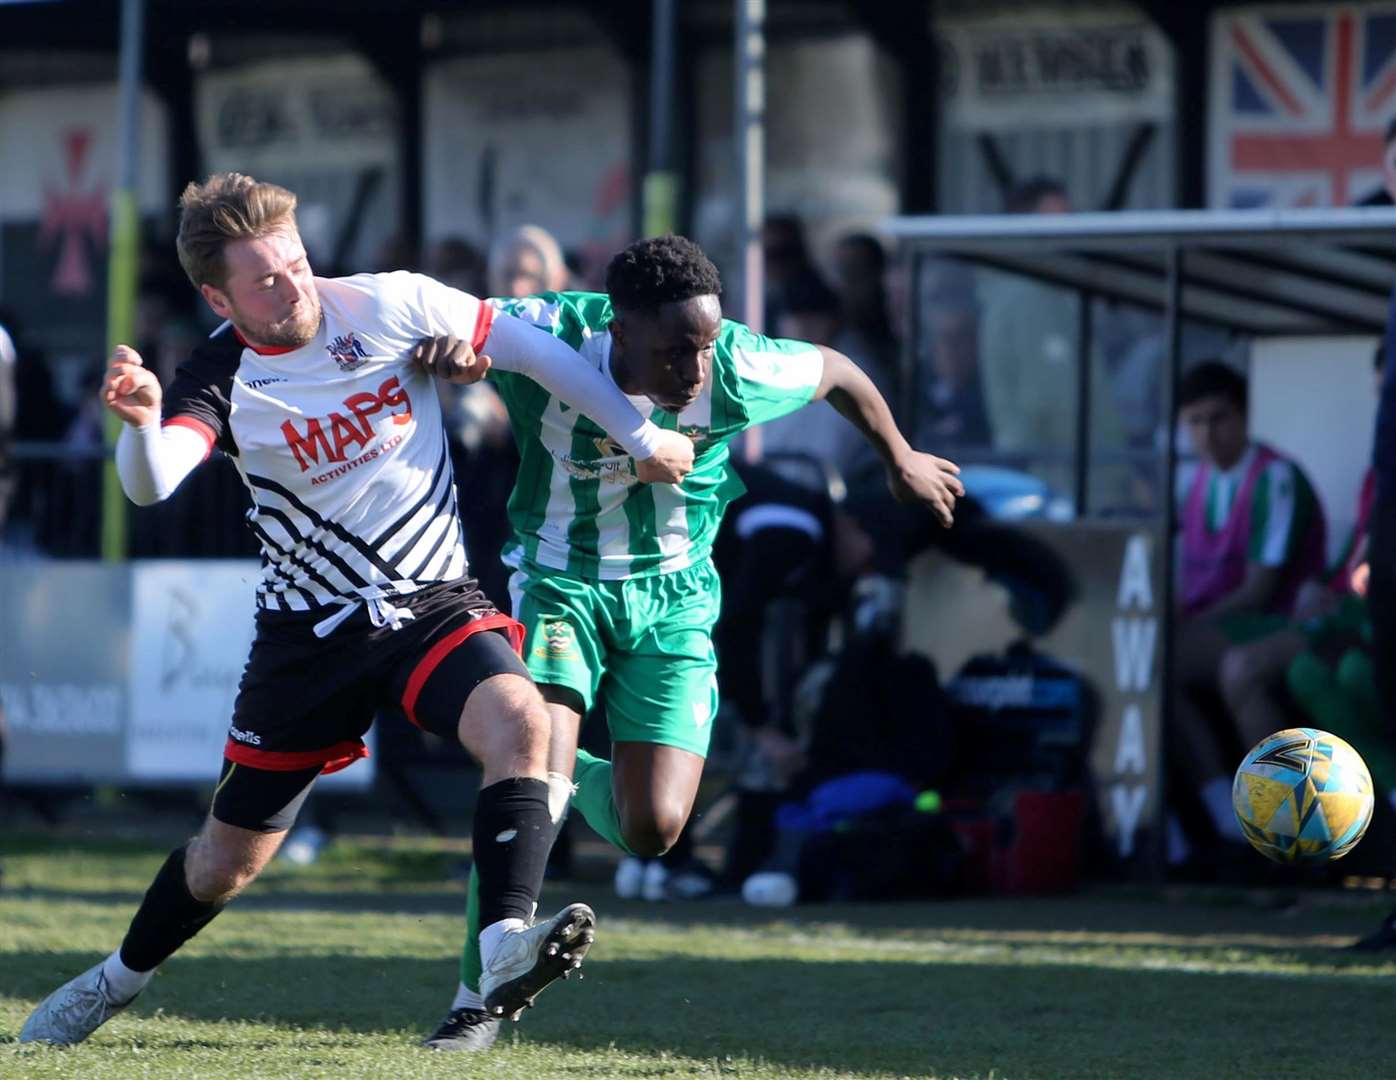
(71, 215)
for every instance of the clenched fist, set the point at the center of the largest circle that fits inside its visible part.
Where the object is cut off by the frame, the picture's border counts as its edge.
(131, 390)
(452, 359)
(671, 461)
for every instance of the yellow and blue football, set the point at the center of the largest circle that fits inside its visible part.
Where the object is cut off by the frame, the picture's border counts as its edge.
(1303, 796)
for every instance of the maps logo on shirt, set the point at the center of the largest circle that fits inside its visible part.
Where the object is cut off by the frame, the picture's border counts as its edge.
(346, 351)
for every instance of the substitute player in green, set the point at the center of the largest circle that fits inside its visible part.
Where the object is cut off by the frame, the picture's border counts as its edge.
(612, 579)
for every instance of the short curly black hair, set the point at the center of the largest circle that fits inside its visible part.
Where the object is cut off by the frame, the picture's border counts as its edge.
(661, 270)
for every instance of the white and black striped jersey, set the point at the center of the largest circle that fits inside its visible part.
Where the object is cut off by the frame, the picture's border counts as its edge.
(340, 442)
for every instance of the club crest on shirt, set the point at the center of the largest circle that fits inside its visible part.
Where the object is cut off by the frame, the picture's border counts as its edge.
(346, 351)
(559, 640)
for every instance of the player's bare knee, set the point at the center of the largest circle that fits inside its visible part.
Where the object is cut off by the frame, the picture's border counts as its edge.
(644, 840)
(653, 831)
(670, 826)
(221, 861)
(216, 873)
(506, 726)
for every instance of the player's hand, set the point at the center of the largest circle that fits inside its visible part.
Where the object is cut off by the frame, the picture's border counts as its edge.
(452, 359)
(925, 478)
(1361, 578)
(131, 389)
(671, 461)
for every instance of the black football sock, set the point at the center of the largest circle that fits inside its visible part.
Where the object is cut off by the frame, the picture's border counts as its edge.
(168, 917)
(513, 832)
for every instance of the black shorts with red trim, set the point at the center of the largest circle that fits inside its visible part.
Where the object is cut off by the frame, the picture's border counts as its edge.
(306, 702)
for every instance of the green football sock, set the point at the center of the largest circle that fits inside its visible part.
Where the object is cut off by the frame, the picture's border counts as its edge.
(470, 965)
(595, 799)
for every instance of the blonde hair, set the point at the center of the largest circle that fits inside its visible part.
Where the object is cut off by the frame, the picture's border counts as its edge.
(226, 206)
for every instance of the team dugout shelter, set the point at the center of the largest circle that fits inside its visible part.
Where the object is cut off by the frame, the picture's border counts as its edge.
(1091, 319)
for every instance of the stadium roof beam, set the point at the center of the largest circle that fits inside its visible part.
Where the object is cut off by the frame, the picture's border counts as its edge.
(1260, 271)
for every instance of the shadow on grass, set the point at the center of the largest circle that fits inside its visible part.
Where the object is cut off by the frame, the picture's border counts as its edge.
(1100, 913)
(1062, 925)
(850, 1017)
(272, 898)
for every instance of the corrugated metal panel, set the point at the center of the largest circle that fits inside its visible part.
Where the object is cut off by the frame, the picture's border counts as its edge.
(1085, 159)
(1062, 90)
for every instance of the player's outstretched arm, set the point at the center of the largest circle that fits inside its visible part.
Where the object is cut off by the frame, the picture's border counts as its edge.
(661, 456)
(150, 461)
(912, 476)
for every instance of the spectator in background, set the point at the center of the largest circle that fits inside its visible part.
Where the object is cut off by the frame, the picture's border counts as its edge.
(167, 324)
(860, 270)
(39, 500)
(810, 311)
(456, 262)
(1029, 351)
(809, 306)
(1251, 532)
(787, 259)
(396, 252)
(951, 408)
(526, 261)
(1039, 195)
(1260, 680)
(584, 271)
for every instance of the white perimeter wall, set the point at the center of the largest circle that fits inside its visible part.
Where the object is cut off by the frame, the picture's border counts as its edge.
(1315, 399)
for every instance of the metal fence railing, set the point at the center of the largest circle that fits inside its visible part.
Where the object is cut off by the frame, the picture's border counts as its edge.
(55, 509)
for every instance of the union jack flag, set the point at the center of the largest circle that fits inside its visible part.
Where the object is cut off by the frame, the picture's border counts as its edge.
(1300, 98)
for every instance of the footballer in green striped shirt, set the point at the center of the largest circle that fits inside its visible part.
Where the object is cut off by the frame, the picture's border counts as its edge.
(612, 578)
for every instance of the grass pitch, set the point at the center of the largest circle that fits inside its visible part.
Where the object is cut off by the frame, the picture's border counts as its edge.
(340, 969)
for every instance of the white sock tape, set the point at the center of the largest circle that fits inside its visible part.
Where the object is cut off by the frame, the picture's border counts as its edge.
(560, 791)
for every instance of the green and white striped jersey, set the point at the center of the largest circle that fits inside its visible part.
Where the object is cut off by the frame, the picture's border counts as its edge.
(577, 506)
(1283, 506)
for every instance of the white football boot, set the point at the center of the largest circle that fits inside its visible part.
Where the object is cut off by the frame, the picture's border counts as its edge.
(74, 1011)
(527, 960)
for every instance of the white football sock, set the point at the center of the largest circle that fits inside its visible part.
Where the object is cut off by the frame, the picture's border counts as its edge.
(492, 935)
(1216, 796)
(467, 998)
(124, 983)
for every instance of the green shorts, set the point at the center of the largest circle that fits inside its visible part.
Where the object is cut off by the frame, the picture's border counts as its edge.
(641, 646)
